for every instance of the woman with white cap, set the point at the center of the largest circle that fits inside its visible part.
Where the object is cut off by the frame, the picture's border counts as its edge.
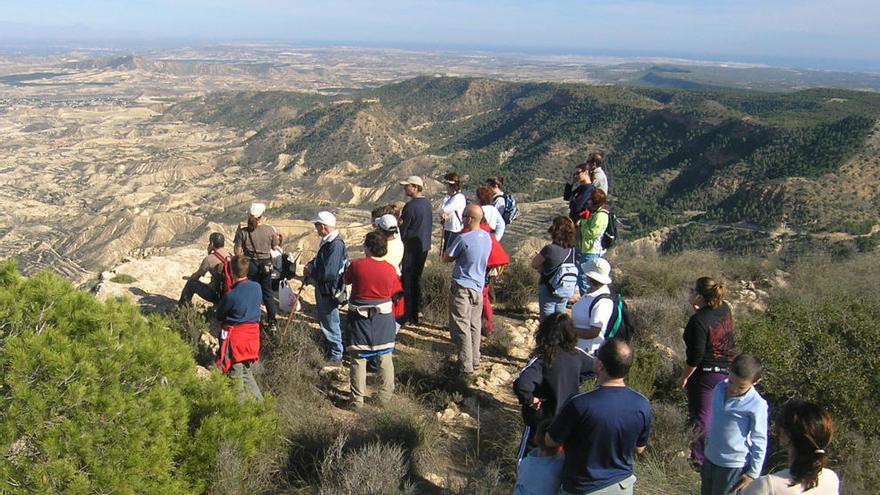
(256, 242)
(590, 315)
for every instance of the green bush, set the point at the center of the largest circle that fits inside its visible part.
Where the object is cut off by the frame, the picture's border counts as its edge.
(123, 278)
(99, 399)
(436, 280)
(518, 287)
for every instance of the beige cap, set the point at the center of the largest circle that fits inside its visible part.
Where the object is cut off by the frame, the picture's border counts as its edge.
(599, 270)
(414, 180)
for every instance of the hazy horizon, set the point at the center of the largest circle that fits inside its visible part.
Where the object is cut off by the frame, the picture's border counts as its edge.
(795, 33)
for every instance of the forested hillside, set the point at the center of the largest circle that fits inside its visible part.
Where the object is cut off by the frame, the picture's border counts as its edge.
(805, 159)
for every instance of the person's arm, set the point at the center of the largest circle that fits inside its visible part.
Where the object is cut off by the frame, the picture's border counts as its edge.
(203, 269)
(276, 238)
(538, 262)
(223, 307)
(587, 333)
(525, 384)
(237, 248)
(500, 226)
(695, 336)
(642, 441)
(588, 367)
(598, 319)
(566, 191)
(757, 449)
(452, 251)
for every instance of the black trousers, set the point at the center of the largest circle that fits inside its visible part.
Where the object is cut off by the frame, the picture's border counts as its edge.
(258, 274)
(203, 290)
(411, 276)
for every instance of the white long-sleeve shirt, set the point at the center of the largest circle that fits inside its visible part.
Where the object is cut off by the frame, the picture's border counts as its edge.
(453, 206)
(494, 219)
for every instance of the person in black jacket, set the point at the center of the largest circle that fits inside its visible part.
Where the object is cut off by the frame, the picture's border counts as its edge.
(415, 231)
(325, 272)
(577, 192)
(554, 374)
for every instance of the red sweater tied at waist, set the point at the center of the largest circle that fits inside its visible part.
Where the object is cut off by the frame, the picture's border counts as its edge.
(242, 343)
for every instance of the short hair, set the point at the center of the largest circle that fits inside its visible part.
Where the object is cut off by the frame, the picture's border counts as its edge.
(496, 181)
(389, 209)
(240, 265)
(484, 195)
(217, 240)
(747, 367)
(596, 158)
(616, 357)
(582, 167)
(376, 243)
(598, 197)
(562, 232)
(711, 290)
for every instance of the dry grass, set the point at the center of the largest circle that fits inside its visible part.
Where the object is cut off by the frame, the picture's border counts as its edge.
(518, 286)
(436, 280)
(376, 468)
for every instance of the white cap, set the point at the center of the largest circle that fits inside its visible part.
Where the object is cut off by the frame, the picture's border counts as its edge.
(257, 210)
(326, 218)
(414, 180)
(599, 270)
(386, 223)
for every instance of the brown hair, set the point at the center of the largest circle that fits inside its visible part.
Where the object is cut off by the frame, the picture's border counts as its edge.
(596, 158)
(747, 367)
(484, 195)
(599, 199)
(582, 167)
(712, 291)
(809, 429)
(496, 181)
(240, 265)
(453, 177)
(562, 232)
(389, 209)
(376, 243)
(554, 333)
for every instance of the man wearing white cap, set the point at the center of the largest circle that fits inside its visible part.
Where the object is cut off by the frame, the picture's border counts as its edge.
(415, 232)
(256, 242)
(325, 272)
(590, 315)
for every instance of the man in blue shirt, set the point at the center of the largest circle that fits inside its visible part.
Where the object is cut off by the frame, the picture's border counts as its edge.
(239, 314)
(736, 443)
(470, 252)
(415, 231)
(325, 272)
(602, 428)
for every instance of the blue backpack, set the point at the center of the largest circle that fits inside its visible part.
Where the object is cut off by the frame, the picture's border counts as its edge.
(562, 281)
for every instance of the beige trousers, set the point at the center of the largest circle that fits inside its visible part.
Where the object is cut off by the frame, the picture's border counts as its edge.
(465, 306)
(358, 377)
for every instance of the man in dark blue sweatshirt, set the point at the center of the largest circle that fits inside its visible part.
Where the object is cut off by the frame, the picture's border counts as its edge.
(415, 232)
(239, 314)
(325, 272)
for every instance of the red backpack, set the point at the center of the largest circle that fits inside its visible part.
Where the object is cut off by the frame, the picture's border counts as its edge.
(227, 281)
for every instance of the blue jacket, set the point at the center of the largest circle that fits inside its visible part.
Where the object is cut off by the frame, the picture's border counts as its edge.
(327, 267)
(737, 436)
(241, 304)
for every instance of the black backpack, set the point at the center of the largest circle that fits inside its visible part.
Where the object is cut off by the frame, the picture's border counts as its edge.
(609, 237)
(620, 325)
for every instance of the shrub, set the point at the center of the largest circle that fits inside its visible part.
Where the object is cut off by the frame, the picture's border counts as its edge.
(518, 286)
(190, 323)
(376, 468)
(95, 396)
(406, 423)
(499, 342)
(123, 278)
(644, 371)
(435, 292)
(664, 468)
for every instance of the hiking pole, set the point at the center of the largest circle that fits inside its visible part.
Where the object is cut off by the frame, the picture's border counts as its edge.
(293, 310)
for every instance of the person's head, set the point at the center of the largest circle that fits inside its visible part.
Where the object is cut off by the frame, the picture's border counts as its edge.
(484, 195)
(598, 199)
(562, 232)
(707, 292)
(375, 244)
(413, 186)
(581, 173)
(239, 267)
(472, 216)
(598, 272)
(452, 182)
(255, 214)
(613, 359)
(389, 209)
(216, 240)
(386, 224)
(324, 222)
(496, 183)
(554, 333)
(745, 371)
(595, 159)
(805, 431)
(540, 438)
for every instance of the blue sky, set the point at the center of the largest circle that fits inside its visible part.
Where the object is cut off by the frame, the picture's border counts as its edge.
(807, 30)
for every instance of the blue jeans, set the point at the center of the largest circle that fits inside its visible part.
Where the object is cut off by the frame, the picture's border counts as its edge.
(328, 320)
(717, 480)
(548, 303)
(584, 260)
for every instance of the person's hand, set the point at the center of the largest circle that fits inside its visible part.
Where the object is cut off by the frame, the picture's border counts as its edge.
(307, 270)
(681, 382)
(536, 404)
(744, 481)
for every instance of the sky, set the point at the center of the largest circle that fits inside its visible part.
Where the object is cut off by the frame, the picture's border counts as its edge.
(820, 33)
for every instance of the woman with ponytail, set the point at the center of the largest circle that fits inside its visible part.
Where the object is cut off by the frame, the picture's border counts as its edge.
(805, 431)
(710, 349)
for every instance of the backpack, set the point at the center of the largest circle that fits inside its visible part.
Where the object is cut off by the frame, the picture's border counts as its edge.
(227, 281)
(563, 279)
(609, 237)
(341, 292)
(511, 210)
(620, 325)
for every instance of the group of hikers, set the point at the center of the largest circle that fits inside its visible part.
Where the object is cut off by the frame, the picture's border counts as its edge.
(573, 443)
